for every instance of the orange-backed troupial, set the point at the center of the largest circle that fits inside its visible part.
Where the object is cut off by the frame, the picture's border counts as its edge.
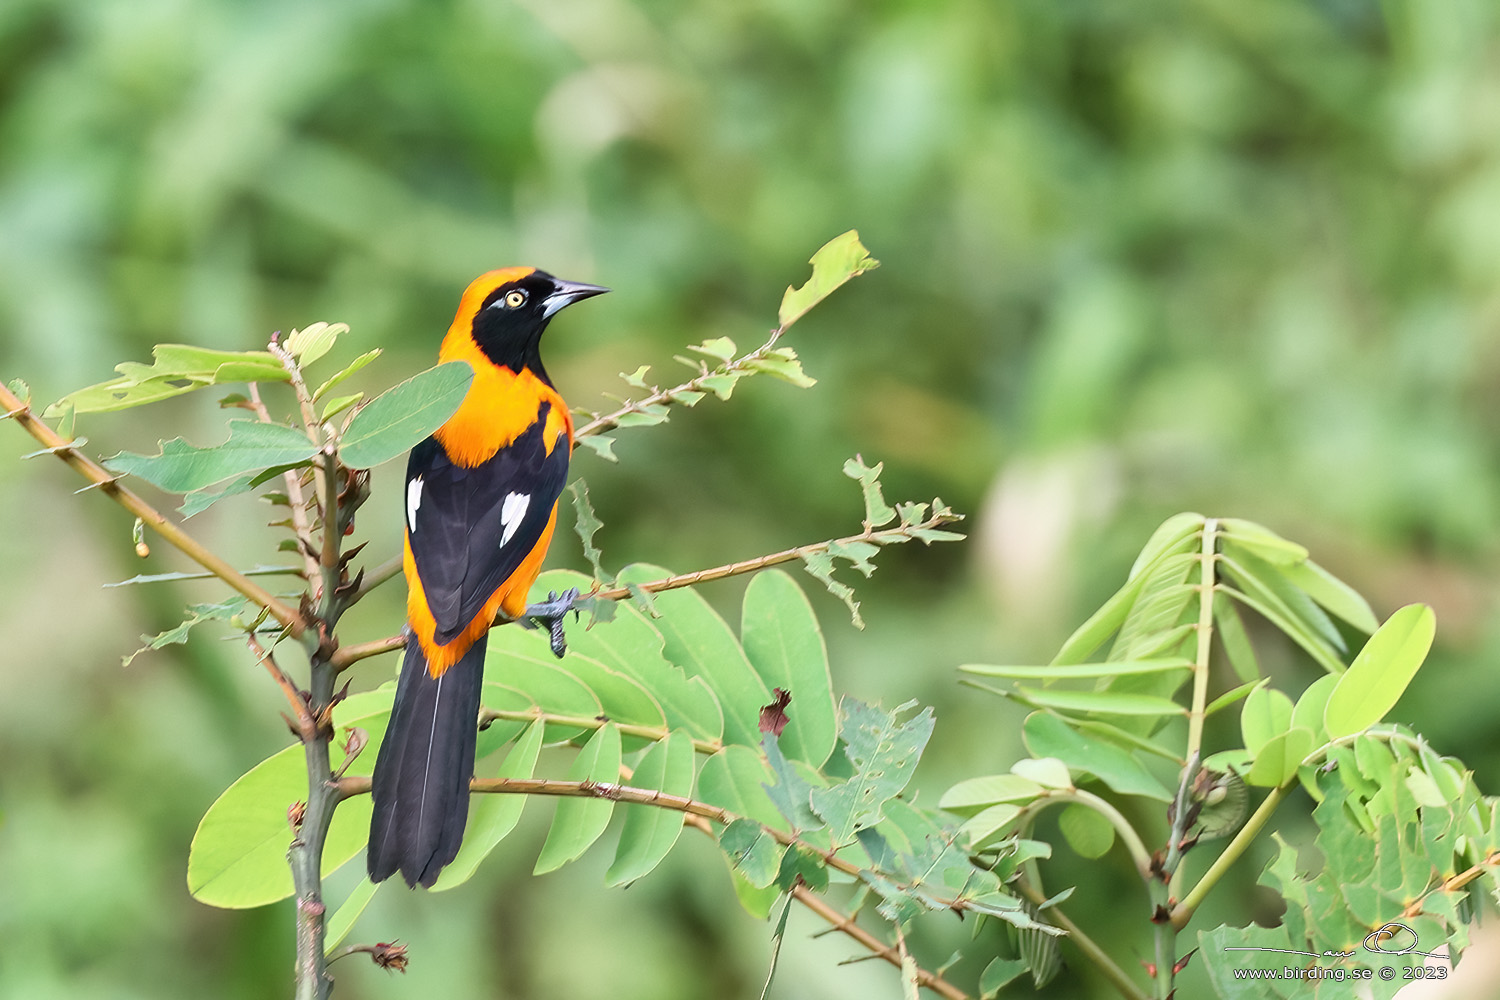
(481, 503)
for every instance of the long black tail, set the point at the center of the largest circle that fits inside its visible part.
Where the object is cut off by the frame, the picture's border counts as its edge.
(421, 782)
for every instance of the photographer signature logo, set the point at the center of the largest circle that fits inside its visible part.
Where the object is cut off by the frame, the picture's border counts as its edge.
(1388, 939)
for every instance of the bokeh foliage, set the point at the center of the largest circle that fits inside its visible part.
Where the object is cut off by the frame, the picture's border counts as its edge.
(1137, 259)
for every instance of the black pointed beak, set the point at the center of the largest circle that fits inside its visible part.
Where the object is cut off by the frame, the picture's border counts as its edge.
(565, 293)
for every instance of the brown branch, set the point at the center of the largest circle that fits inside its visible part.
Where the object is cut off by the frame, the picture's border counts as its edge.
(294, 694)
(845, 923)
(665, 397)
(884, 536)
(98, 476)
(654, 733)
(347, 656)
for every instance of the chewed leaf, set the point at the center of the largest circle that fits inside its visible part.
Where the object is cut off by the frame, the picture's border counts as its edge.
(399, 418)
(840, 259)
(884, 753)
(587, 524)
(175, 369)
(877, 511)
(182, 468)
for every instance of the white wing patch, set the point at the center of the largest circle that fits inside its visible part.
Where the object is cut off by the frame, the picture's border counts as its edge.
(511, 513)
(413, 501)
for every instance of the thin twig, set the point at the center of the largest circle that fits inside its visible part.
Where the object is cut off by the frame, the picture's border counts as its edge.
(294, 695)
(879, 949)
(149, 515)
(349, 655)
(665, 397)
(295, 500)
(592, 722)
(883, 536)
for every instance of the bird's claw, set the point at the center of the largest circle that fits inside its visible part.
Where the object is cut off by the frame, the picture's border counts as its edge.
(550, 613)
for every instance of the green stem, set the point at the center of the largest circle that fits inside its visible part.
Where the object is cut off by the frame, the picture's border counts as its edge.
(1183, 911)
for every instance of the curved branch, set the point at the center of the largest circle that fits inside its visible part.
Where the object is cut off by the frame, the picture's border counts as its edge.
(149, 515)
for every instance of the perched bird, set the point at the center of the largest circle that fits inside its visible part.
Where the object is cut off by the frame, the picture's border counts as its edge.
(481, 504)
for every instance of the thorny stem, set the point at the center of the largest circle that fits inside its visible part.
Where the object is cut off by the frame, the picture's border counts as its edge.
(101, 478)
(1164, 909)
(663, 397)
(295, 499)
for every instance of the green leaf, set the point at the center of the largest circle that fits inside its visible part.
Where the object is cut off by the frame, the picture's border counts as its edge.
(339, 404)
(1103, 702)
(587, 524)
(252, 446)
(974, 795)
(632, 645)
(1048, 736)
(820, 566)
(1311, 706)
(197, 614)
(19, 389)
(1234, 638)
(545, 684)
(721, 384)
(198, 501)
(493, 817)
(1087, 832)
(1267, 714)
(238, 855)
(600, 444)
(1077, 670)
(1264, 542)
(782, 363)
(697, 639)
(342, 921)
(398, 419)
(717, 347)
(175, 369)
(1277, 760)
(1176, 535)
(999, 974)
(884, 752)
(754, 853)
(1102, 624)
(312, 342)
(791, 793)
(988, 825)
(735, 779)
(649, 833)
(348, 370)
(1333, 594)
(579, 822)
(877, 511)
(840, 259)
(1382, 670)
(784, 644)
(1049, 772)
(1268, 582)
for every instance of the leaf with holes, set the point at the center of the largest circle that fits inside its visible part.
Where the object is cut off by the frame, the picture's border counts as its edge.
(884, 752)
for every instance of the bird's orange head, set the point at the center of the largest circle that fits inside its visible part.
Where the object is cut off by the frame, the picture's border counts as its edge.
(503, 314)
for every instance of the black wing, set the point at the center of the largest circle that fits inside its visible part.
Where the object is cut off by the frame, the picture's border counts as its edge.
(470, 528)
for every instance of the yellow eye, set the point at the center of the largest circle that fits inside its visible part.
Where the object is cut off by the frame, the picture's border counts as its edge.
(515, 299)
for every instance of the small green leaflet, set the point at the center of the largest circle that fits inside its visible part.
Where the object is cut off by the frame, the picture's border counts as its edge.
(840, 259)
(493, 817)
(877, 511)
(586, 523)
(197, 613)
(1380, 673)
(312, 342)
(252, 446)
(649, 834)
(398, 419)
(579, 822)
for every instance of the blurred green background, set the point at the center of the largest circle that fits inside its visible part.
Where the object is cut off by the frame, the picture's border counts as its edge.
(1137, 258)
